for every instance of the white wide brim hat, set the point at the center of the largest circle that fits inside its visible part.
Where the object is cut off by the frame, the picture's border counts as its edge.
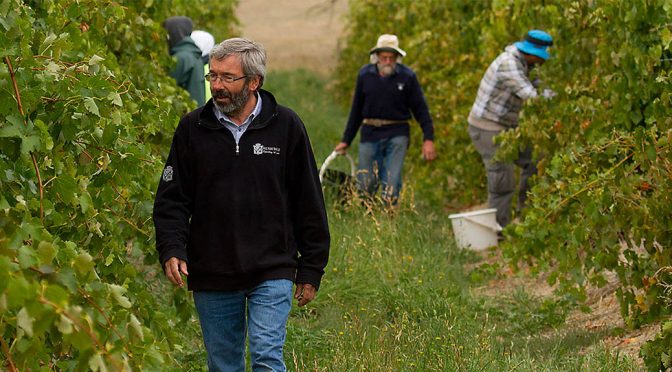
(388, 43)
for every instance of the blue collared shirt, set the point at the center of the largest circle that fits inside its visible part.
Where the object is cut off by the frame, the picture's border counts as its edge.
(238, 130)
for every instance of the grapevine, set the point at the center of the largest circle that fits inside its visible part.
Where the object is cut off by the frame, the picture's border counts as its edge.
(87, 112)
(601, 200)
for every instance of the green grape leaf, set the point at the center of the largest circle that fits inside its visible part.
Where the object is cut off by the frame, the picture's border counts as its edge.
(109, 135)
(115, 98)
(46, 252)
(83, 263)
(5, 266)
(96, 363)
(91, 106)
(136, 327)
(4, 204)
(118, 294)
(651, 152)
(66, 187)
(56, 294)
(29, 144)
(26, 257)
(85, 202)
(109, 259)
(95, 59)
(80, 340)
(666, 38)
(45, 137)
(66, 277)
(65, 325)
(18, 290)
(25, 321)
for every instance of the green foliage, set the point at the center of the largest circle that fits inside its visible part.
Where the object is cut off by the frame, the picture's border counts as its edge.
(396, 294)
(87, 109)
(657, 353)
(601, 201)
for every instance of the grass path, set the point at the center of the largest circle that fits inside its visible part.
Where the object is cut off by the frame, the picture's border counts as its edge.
(397, 296)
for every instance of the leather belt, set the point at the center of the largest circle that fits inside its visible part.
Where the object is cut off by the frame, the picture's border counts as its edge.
(381, 122)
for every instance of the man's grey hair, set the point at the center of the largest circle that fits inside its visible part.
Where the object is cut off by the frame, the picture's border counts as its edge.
(252, 55)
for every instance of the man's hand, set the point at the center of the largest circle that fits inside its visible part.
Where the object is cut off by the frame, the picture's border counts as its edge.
(304, 293)
(341, 148)
(174, 267)
(428, 152)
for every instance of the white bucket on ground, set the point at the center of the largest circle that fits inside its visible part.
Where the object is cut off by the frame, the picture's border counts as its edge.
(476, 230)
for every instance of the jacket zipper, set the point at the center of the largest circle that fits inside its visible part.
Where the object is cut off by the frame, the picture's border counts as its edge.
(241, 137)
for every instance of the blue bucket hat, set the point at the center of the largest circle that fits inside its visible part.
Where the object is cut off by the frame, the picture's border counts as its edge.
(536, 42)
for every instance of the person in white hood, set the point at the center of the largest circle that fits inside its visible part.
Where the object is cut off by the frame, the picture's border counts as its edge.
(205, 41)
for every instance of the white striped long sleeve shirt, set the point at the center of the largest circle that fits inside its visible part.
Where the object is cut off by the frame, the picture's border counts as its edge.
(503, 89)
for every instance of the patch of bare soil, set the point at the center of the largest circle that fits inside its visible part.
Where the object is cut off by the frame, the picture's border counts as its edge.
(296, 33)
(603, 319)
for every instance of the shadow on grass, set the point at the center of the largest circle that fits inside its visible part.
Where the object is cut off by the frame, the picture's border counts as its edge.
(557, 344)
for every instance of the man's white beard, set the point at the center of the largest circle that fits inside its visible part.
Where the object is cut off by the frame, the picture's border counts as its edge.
(386, 70)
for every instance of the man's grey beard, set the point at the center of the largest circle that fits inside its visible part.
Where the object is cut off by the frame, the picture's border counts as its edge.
(386, 70)
(238, 100)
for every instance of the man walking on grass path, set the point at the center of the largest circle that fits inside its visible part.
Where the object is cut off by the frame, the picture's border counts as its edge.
(386, 94)
(239, 211)
(504, 87)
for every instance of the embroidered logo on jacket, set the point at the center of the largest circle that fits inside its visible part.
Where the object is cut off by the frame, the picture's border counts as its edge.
(260, 149)
(168, 174)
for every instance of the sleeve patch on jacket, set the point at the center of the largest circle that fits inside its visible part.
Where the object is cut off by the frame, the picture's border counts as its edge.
(168, 174)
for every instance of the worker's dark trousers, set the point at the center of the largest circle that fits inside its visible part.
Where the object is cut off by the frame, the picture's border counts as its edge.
(502, 176)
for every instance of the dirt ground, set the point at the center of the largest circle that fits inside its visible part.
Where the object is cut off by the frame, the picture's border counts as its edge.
(604, 317)
(295, 33)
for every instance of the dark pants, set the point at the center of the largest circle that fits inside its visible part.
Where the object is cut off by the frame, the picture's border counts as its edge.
(502, 176)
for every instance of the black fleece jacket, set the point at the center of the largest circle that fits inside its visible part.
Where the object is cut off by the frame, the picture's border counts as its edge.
(240, 215)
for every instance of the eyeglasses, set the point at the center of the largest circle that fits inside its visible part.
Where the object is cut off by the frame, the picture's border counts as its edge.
(224, 78)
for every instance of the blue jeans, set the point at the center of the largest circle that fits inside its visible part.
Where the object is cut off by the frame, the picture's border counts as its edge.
(388, 156)
(224, 322)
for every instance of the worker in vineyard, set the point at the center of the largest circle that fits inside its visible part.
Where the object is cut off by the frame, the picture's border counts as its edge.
(239, 212)
(504, 87)
(188, 71)
(387, 95)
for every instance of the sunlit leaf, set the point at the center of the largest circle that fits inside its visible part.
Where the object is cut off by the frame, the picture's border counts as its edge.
(118, 294)
(91, 106)
(25, 321)
(83, 263)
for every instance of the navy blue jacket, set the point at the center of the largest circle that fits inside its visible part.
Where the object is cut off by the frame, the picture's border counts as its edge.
(394, 97)
(242, 215)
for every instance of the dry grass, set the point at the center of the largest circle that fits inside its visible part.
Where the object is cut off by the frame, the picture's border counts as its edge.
(296, 33)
